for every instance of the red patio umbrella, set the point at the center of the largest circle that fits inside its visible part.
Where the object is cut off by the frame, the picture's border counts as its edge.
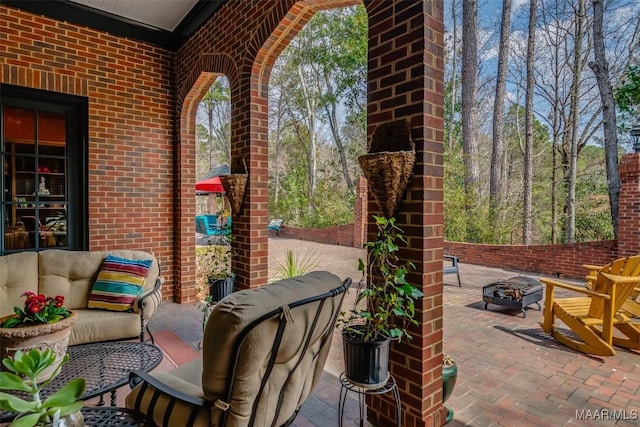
(211, 185)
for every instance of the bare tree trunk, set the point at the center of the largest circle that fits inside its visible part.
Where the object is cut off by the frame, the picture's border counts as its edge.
(528, 151)
(331, 110)
(210, 136)
(497, 154)
(600, 68)
(573, 157)
(469, 97)
(454, 66)
(277, 137)
(311, 126)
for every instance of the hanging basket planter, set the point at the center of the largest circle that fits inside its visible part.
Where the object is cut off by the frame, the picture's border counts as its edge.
(389, 164)
(388, 174)
(234, 186)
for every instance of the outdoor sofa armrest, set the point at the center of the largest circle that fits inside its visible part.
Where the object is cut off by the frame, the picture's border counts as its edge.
(150, 300)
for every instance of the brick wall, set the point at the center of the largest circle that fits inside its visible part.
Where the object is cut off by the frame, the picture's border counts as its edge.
(131, 127)
(551, 260)
(341, 235)
(629, 206)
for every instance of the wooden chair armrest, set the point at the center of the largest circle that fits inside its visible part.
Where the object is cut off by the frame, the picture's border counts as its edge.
(552, 282)
(592, 267)
(136, 377)
(621, 279)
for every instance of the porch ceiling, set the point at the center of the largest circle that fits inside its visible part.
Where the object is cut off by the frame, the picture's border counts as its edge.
(166, 23)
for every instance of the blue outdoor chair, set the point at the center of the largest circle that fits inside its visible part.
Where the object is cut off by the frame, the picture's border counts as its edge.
(210, 230)
(275, 226)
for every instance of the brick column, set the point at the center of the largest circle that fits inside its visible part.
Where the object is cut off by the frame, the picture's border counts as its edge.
(405, 82)
(629, 206)
(360, 213)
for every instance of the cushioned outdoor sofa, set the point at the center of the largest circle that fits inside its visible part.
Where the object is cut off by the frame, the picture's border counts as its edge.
(103, 314)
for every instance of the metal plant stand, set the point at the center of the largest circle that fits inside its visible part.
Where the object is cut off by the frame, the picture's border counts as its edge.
(346, 387)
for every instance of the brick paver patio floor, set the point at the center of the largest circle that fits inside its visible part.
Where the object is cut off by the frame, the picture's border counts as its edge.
(510, 372)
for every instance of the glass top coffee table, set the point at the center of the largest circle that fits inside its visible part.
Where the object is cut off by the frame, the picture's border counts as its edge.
(104, 366)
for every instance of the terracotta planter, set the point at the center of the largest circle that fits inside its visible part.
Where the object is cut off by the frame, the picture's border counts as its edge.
(50, 335)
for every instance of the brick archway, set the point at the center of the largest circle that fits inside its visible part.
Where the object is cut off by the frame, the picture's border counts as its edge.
(188, 95)
(275, 40)
(405, 82)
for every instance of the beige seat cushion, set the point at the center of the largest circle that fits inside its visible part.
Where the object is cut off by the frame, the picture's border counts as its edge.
(102, 325)
(237, 311)
(185, 379)
(18, 274)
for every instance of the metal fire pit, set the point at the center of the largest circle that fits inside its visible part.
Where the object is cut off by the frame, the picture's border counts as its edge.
(516, 292)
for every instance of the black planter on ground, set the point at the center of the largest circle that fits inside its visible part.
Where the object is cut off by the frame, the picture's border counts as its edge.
(220, 288)
(366, 364)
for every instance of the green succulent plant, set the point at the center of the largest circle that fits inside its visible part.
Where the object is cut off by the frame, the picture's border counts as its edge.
(24, 369)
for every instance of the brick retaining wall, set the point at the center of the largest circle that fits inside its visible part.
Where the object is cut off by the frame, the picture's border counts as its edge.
(553, 260)
(341, 235)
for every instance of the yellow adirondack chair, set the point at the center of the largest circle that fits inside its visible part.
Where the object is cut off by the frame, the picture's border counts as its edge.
(631, 306)
(592, 317)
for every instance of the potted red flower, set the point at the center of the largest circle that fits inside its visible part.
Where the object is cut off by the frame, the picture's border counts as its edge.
(43, 322)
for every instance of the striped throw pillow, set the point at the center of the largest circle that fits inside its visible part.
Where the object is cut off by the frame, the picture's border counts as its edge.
(119, 283)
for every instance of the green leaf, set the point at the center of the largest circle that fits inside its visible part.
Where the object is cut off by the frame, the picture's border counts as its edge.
(416, 293)
(399, 312)
(10, 381)
(70, 409)
(27, 420)
(395, 333)
(67, 394)
(8, 363)
(12, 321)
(9, 402)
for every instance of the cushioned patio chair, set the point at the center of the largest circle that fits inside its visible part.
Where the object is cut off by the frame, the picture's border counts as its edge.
(593, 317)
(264, 350)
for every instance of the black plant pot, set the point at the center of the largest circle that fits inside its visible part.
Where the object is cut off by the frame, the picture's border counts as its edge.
(220, 288)
(366, 364)
(449, 376)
